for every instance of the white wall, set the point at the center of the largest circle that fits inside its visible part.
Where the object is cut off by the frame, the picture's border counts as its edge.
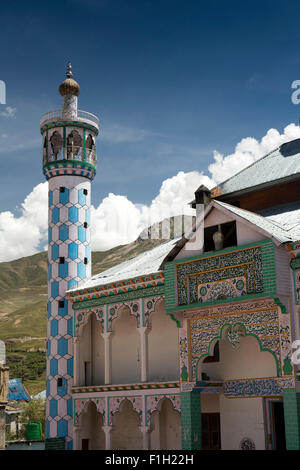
(126, 434)
(91, 428)
(247, 361)
(91, 350)
(166, 427)
(245, 233)
(241, 417)
(126, 354)
(163, 347)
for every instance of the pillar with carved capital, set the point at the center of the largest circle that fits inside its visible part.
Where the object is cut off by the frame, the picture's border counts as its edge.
(145, 430)
(107, 430)
(107, 357)
(144, 331)
(76, 443)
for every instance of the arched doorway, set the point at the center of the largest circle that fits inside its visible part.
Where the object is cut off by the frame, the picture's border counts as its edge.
(162, 343)
(91, 353)
(92, 436)
(166, 427)
(126, 355)
(126, 434)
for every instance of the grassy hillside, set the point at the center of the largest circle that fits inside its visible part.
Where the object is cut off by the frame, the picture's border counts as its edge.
(23, 298)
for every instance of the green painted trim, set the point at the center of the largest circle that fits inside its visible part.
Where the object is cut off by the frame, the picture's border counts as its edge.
(84, 146)
(218, 337)
(268, 267)
(209, 254)
(60, 164)
(132, 295)
(295, 263)
(47, 143)
(278, 302)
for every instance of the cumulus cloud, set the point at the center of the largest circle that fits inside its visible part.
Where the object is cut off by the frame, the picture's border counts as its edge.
(8, 112)
(248, 150)
(21, 236)
(117, 220)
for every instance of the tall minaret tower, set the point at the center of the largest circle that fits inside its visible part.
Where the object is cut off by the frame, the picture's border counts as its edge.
(69, 164)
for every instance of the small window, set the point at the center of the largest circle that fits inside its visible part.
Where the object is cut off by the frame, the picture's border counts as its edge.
(85, 261)
(59, 382)
(215, 357)
(61, 304)
(61, 189)
(85, 192)
(229, 232)
(61, 260)
(85, 225)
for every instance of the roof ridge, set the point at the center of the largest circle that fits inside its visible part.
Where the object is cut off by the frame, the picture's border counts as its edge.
(251, 164)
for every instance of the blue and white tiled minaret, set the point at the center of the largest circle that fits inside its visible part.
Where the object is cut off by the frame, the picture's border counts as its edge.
(69, 164)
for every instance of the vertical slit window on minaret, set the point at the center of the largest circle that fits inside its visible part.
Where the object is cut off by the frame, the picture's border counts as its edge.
(61, 260)
(61, 189)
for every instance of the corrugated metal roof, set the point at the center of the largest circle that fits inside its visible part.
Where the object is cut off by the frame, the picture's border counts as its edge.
(281, 222)
(16, 390)
(146, 263)
(281, 163)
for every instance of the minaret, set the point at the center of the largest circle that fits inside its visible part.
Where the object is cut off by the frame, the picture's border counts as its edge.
(69, 164)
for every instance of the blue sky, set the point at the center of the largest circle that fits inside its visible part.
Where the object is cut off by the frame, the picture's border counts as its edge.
(171, 81)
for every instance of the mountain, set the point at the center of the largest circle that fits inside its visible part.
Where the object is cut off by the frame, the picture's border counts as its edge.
(23, 300)
(23, 297)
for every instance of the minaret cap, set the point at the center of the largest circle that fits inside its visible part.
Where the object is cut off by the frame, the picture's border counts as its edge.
(69, 86)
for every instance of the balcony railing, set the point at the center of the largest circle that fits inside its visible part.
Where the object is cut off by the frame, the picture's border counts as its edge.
(70, 153)
(81, 116)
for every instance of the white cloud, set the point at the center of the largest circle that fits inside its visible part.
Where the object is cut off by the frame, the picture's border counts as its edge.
(117, 220)
(248, 150)
(8, 112)
(21, 236)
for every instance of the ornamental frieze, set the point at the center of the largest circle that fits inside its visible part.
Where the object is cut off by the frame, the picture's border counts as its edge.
(228, 275)
(262, 319)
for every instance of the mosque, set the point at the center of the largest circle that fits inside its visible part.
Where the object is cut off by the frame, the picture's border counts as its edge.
(188, 345)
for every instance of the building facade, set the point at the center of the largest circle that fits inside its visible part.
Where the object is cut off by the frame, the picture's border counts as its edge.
(188, 345)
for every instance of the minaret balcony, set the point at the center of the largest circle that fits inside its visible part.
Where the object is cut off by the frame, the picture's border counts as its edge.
(72, 153)
(57, 115)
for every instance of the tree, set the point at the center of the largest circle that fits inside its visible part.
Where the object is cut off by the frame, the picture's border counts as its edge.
(34, 410)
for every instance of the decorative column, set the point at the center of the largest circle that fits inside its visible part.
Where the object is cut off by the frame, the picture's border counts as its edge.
(191, 420)
(76, 443)
(144, 353)
(145, 430)
(107, 357)
(107, 430)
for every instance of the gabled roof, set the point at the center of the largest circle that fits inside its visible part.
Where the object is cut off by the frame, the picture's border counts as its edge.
(281, 223)
(280, 165)
(16, 390)
(283, 227)
(148, 262)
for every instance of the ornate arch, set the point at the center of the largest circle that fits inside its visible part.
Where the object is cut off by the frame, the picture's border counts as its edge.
(81, 406)
(233, 335)
(82, 318)
(115, 405)
(154, 403)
